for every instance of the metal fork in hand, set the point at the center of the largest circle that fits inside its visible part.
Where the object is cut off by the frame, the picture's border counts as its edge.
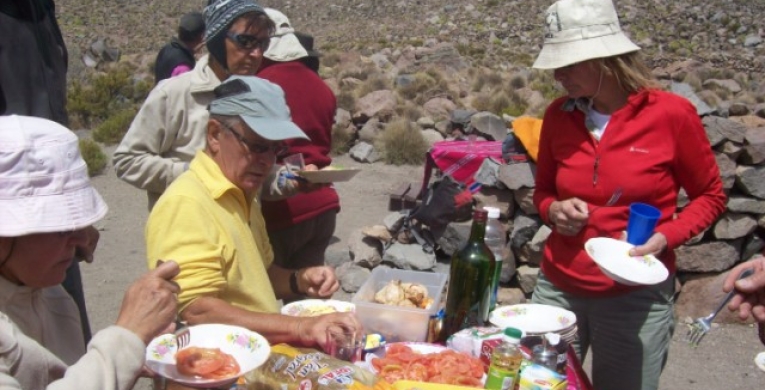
(611, 201)
(701, 326)
(182, 338)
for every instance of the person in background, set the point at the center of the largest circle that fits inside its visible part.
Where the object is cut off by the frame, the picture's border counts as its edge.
(46, 205)
(615, 130)
(171, 126)
(312, 59)
(750, 297)
(177, 56)
(209, 221)
(301, 226)
(33, 66)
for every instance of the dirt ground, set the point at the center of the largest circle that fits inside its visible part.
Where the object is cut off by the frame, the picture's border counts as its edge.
(723, 361)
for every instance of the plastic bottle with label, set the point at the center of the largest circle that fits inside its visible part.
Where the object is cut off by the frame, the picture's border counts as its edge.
(496, 240)
(505, 362)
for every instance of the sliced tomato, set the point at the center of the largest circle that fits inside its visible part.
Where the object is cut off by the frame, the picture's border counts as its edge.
(210, 363)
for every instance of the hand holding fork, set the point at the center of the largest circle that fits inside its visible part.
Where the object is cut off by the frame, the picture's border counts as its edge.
(611, 201)
(702, 325)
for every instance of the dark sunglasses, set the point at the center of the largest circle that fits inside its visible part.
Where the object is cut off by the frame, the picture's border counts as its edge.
(249, 42)
(277, 149)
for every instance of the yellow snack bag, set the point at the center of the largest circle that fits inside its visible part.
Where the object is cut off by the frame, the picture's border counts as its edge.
(290, 368)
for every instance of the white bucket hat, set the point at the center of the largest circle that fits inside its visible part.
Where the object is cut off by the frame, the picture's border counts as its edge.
(284, 45)
(580, 30)
(44, 183)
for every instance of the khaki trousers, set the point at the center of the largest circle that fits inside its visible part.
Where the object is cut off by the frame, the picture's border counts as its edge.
(629, 334)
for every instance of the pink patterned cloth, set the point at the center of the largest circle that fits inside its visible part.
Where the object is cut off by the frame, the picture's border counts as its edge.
(459, 159)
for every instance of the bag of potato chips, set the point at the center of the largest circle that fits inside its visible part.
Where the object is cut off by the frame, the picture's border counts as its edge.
(290, 368)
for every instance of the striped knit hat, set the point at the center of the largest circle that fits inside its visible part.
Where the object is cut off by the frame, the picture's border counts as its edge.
(220, 13)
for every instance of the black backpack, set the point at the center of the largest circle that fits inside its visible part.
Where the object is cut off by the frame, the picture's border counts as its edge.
(445, 201)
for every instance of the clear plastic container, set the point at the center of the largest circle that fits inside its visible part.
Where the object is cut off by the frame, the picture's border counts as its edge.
(496, 240)
(398, 323)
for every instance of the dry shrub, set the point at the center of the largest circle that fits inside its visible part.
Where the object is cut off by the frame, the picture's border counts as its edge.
(481, 102)
(112, 130)
(693, 80)
(426, 85)
(92, 101)
(402, 143)
(518, 81)
(94, 158)
(409, 111)
(507, 102)
(710, 98)
(373, 83)
(360, 71)
(544, 82)
(488, 78)
(346, 100)
(330, 59)
(342, 140)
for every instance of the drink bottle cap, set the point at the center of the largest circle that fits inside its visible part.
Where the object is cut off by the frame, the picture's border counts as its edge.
(492, 211)
(513, 333)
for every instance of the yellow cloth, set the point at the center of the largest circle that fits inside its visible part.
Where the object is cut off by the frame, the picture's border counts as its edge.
(201, 223)
(527, 130)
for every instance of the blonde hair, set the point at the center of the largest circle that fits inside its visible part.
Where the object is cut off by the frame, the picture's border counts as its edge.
(630, 72)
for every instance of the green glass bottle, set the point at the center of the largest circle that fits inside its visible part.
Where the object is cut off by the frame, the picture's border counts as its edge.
(470, 282)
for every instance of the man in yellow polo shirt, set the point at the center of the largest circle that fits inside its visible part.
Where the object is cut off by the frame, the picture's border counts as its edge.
(209, 222)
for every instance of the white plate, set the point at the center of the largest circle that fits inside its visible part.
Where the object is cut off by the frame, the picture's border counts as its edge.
(759, 360)
(319, 306)
(329, 175)
(612, 256)
(250, 350)
(533, 318)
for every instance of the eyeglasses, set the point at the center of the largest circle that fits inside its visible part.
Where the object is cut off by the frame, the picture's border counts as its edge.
(277, 149)
(249, 42)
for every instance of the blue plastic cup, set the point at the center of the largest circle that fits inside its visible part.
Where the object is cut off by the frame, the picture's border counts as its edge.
(642, 221)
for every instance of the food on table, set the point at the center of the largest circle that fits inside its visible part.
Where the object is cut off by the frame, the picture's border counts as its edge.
(318, 310)
(401, 362)
(208, 363)
(292, 368)
(397, 293)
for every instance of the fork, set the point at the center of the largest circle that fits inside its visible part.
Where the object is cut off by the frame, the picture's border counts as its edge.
(182, 338)
(701, 326)
(611, 201)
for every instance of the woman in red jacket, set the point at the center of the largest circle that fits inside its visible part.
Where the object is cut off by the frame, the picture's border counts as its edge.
(615, 129)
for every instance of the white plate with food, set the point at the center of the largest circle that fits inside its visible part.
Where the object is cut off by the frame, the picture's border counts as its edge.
(533, 318)
(209, 355)
(612, 256)
(329, 174)
(315, 307)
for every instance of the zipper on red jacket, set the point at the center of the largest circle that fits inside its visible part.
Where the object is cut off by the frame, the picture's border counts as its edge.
(595, 171)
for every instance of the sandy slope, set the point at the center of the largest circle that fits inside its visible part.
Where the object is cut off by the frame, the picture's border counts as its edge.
(723, 361)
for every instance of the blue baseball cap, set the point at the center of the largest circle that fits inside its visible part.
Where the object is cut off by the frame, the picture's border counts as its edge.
(261, 105)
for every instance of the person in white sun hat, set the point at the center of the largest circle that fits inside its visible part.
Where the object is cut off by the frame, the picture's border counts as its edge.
(615, 131)
(46, 204)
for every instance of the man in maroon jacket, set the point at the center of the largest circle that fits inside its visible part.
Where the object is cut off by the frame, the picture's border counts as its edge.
(301, 226)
